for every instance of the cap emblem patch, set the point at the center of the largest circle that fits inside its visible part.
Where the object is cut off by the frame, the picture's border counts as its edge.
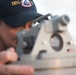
(26, 3)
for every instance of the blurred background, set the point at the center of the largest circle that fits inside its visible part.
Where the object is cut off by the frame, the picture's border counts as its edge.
(60, 7)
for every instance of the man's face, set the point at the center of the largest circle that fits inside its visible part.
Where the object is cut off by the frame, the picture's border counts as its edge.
(8, 34)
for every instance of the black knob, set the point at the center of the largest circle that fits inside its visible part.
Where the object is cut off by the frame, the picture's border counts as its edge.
(64, 20)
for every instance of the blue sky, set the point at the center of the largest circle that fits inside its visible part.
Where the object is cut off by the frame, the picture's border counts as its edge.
(60, 7)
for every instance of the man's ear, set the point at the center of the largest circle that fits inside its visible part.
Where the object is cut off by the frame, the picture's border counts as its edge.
(0, 22)
(0, 25)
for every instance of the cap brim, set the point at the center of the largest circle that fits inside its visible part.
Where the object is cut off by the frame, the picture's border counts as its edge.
(20, 19)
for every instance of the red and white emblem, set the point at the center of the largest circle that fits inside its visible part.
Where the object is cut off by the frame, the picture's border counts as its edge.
(26, 3)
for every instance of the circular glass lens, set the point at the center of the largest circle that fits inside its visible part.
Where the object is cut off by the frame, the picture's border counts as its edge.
(56, 42)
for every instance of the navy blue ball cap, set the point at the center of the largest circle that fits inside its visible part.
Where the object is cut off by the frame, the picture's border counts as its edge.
(17, 12)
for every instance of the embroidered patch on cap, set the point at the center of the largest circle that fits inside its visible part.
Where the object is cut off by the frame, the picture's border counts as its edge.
(26, 3)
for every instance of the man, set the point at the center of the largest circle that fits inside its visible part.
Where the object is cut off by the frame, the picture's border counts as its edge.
(14, 16)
